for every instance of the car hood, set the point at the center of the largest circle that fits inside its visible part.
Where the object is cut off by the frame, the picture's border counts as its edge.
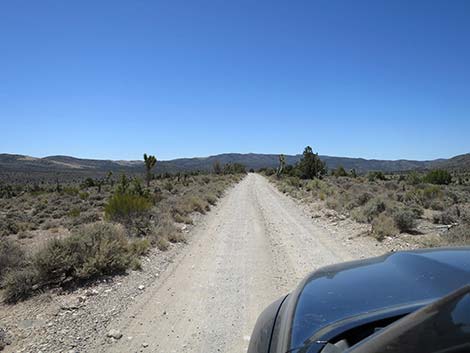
(352, 289)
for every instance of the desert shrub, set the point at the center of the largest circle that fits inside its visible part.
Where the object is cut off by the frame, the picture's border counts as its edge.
(19, 283)
(8, 226)
(459, 235)
(86, 217)
(74, 212)
(165, 229)
(315, 184)
(334, 203)
(25, 234)
(49, 223)
(437, 205)
(363, 198)
(11, 256)
(414, 178)
(339, 172)
(196, 204)
(373, 208)
(446, 217)
(125, 207)
(168, 185)
(376, 176)
(162, 243)
(417, 211)
(269, 171)
(176, 237)
(431, 192)
(404, 220)
(70, 190)
(429, 196)
(84, 195)
(88, 183)
(140, 247)
(211, 199)
(234, 168)
(438, 176)
(93, 250)
(181, 218)
(294, 182)
(383, 226)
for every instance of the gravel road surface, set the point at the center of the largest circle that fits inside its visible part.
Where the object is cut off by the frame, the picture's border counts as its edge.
(255, 246)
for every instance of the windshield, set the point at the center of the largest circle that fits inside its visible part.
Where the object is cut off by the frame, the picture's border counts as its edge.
(443, 326)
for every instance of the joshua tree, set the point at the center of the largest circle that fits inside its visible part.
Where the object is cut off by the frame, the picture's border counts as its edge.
(282, 164)
(150, 162)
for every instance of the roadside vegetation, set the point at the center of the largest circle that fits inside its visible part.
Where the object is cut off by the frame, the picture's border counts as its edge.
(435, 201)
(55, 234)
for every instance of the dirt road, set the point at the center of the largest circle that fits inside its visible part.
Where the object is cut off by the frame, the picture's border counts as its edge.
(254, 247)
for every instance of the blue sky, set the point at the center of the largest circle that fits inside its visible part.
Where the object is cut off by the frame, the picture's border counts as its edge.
(113, 79)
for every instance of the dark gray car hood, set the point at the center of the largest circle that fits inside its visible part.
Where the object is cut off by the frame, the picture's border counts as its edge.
(351, 289)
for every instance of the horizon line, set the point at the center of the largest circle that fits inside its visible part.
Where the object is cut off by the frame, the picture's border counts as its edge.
(227, 153)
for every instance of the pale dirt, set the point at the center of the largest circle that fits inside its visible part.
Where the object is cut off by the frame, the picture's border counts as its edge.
(254, 247)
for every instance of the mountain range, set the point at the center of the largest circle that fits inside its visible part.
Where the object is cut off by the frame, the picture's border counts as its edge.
(13, 166)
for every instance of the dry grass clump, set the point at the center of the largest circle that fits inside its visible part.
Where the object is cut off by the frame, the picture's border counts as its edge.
(196, 204)
(166, 232)
(211, 199)
(181, 218)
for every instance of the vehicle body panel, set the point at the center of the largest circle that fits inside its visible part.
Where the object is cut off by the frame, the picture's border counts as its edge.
(338, 297)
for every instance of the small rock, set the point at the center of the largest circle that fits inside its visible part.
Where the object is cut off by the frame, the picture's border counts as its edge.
(145, 345)
(116, 334)
(91, 292)
(141, 287)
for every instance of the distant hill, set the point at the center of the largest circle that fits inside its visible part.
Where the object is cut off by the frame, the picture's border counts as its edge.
(17, 167)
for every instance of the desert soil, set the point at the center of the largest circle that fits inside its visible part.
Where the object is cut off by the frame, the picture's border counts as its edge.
(253, 247)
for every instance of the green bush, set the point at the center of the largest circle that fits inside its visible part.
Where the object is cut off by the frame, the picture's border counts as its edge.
(439, 177)
(376, 176)
(339, 172)
(125, 207)
(310, 165)
(74, 212)
(414, 178)
(294, 181)
(140, 247)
